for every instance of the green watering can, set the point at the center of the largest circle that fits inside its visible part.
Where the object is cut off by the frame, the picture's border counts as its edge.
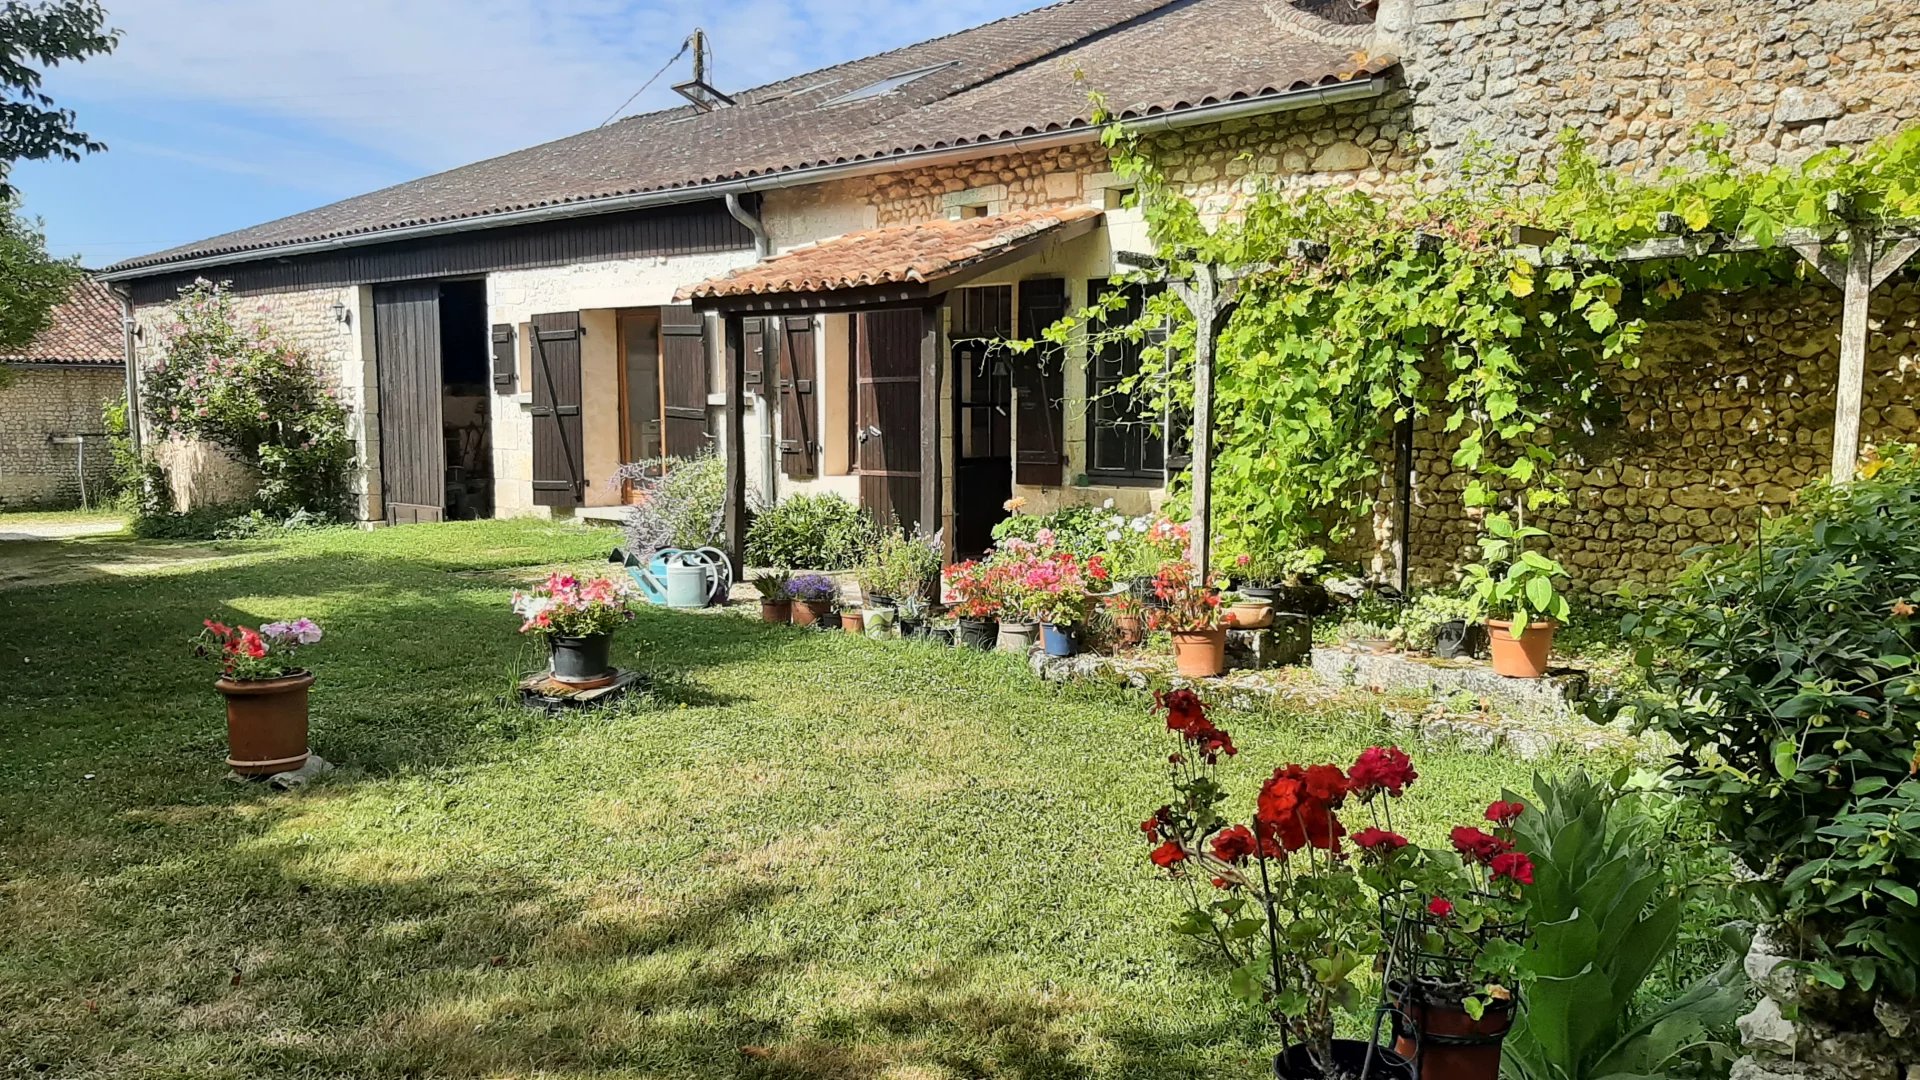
(676, 578)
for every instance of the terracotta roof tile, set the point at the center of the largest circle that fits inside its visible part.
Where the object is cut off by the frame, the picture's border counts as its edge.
(83, 329)
(1024, 75)
(919, 254)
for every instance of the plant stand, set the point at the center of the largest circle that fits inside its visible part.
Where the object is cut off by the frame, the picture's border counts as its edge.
(292, 780)
(539, 690)
(1288, 641)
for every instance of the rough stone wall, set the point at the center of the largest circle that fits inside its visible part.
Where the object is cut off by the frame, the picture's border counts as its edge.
(312, 319)
(1788, 77)
(39, 401)
(1351, 144)
(1730, 413)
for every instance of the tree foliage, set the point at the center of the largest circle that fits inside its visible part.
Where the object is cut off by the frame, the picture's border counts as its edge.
(35, 36)
(31, 281)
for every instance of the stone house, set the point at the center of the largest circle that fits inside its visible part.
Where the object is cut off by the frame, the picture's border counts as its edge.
(809, 275)
(53, 439)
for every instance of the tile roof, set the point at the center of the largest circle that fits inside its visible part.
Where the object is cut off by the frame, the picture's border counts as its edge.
(1024, 75)
(83, 329)
(897, 254)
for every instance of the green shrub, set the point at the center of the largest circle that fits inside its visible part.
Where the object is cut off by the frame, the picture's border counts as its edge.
(1421, 619)
(900, 566)
(818, 532)
(681, 504)
(1785, 668)
(227, 521)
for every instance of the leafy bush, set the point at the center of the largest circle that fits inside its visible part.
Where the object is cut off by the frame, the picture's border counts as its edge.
(681, 502)
(900, 566)
(1785, 669)
(245, 389)
(1421, 619)
(1512, 581)
(227, 521)
(821, 532)
(1605, 913)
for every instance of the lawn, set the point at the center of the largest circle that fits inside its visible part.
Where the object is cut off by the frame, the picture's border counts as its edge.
(804, 855)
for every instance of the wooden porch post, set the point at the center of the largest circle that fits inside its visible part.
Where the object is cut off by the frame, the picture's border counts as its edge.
(1851, 387)
(931, 503)
(1204, 297)
(733, 438)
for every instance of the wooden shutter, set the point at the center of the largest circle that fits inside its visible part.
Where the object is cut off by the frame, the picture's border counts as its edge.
(506, 366)
(683, 380)
(1039, 381)
(758, 335)
(413, 445)
(799, 442)
(558, 462)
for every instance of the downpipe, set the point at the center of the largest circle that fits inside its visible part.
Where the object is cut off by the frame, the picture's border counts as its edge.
(769, 375)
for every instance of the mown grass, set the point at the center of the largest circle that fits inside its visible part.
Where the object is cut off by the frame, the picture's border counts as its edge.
(803, 855)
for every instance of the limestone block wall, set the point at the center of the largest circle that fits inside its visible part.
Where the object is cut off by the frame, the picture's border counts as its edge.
(335, 326)
(1729, 415)
(39, 401)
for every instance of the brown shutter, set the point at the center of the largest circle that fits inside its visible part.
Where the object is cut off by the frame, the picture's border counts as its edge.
(506, 365)
(1039, 381)
(558, 463)
(756, 333)
(683, 380)
(799, 443)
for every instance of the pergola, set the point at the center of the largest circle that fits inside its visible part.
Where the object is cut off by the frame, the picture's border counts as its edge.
(1874, 252)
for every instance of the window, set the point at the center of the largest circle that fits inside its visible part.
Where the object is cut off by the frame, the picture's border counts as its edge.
(886, 85)
(1124, 436)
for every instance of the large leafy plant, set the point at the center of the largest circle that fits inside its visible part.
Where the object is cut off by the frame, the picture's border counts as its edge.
(1785, 668)
(818, 532)
(1604, 914)
(678, 502)
(1513, 581)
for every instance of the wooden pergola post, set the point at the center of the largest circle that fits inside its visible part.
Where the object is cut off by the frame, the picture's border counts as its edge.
(733, 440)
(1211, 300)
(1868, 264)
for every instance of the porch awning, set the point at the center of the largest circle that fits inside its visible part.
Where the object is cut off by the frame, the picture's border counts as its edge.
(892, 265)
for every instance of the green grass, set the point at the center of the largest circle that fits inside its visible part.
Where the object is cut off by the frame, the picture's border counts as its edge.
(803, 856)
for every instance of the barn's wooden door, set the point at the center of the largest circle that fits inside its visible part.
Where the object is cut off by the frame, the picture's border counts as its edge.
(799, 441)
(683, 380)
(413, 446)
(559, 464)
(887, 428)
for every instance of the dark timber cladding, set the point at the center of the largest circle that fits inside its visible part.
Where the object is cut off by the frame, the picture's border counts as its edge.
(677, 230)
(558, 461)
(413, 465)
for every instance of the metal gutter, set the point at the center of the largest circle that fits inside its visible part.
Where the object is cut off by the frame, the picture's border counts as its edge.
(1286, 101)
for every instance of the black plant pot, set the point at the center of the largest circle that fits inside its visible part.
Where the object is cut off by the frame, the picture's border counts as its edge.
(943, 635)
(827, 621)
(582, 659)
(1258, 592)
(1460, 638)
(1349, 1059)
(913, 628)
(980, 634)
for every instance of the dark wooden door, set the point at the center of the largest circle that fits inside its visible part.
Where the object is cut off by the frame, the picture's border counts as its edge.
(799, 441)
(413, 446)
(887, 424)
(558, 462)
(1040, 379)
(683, 381)
(983, 415)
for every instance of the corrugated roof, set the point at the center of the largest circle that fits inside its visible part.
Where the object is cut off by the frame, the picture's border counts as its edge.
(920, 254)
(83, 329)
(1025, 75)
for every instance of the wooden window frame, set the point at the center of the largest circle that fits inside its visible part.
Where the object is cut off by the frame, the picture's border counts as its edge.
(1139, 431)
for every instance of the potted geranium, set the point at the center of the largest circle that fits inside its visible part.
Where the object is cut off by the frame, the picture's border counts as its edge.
(813, 598)
(1128, 613)
(974, 587)
(1514, 586)
(266, 691)
(1190, 612)
(577, 618)
(1060, 587)
(776, 602)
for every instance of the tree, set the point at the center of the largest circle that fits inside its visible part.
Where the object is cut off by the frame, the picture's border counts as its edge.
(32, 36)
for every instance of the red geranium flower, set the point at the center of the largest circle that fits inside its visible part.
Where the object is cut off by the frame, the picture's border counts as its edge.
(1478, 845)
(1235, 845)
(1504, 813)
(1514, 866)
(1371, 838)
(1381, 768)
(1327, 784)
(1440, 907)
(1295, 807)
(1184, 709)
(1168, 855)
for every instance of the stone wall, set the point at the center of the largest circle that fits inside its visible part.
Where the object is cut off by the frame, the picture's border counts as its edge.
(335, 326)
(39, 401)
(1730, 413)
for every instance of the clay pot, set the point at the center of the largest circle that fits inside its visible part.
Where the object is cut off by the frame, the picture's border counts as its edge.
(1016, 637)
(808, 612)
(1200, 654)
(1444, 1043)
(1523, 657)
(1251, 614)
(1349, 1059)
(776, 611)
(853, 620)
(1130, 629)
(266, 723)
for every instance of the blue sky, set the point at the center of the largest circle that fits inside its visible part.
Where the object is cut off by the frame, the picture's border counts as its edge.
(220, 114)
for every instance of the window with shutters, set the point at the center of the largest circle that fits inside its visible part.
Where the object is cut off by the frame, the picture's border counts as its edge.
(1124, 436)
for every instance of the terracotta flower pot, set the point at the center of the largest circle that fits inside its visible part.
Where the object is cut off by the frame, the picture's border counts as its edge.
(1200, 654)
(1523, 657)
(1251, 614)
(776, 611)
(1131, 629)
(266, 723)
(1445, 1043)
(808, 612)
(854, 621)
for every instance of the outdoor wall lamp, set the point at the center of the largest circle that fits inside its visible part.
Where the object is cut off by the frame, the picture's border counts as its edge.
(342, 314)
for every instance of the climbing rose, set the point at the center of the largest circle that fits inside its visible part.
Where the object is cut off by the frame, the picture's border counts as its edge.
(1235, 845)
(1477, 845)
(1504, 813)
(1168, 855)
(1440, 907)
(1514, 866)
(1371, 838)
(1381, 768)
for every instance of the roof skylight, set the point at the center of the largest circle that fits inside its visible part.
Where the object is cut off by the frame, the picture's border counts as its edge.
(886, 85)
